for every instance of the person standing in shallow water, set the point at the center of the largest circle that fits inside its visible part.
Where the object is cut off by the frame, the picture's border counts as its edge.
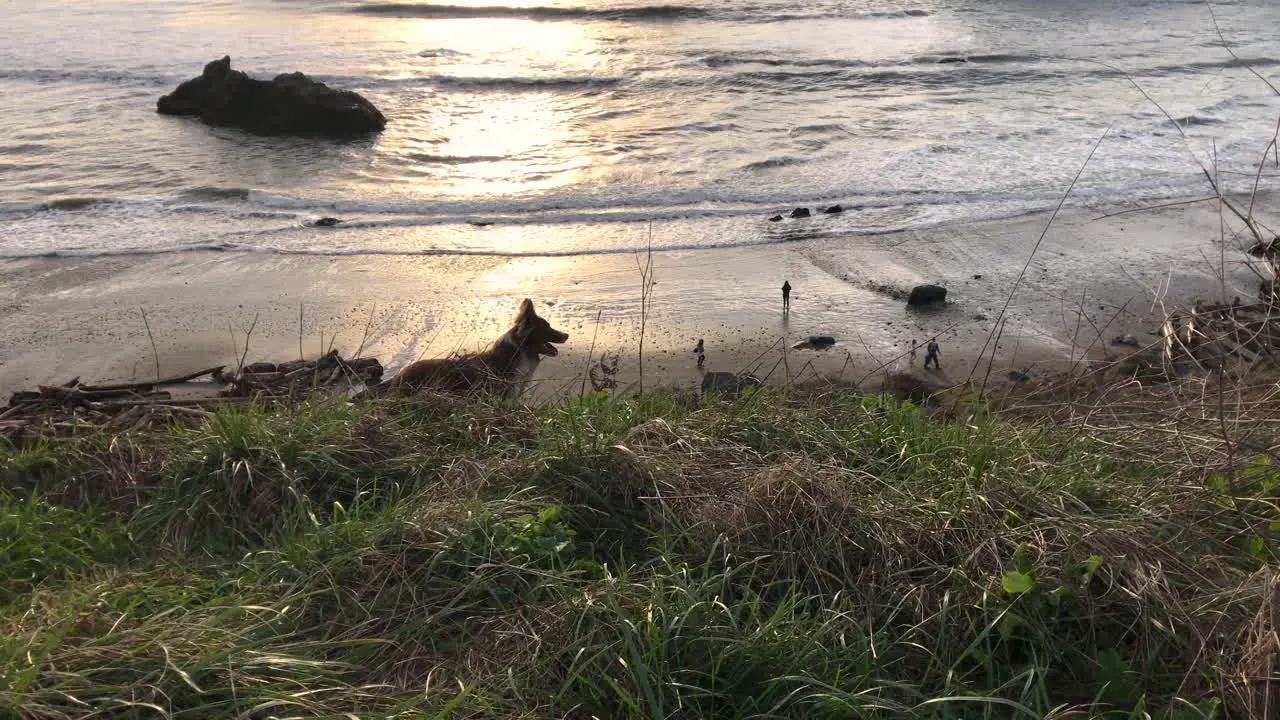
(786, 296)
(931, 354)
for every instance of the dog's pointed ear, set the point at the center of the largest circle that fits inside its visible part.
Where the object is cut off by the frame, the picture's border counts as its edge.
(526, 310)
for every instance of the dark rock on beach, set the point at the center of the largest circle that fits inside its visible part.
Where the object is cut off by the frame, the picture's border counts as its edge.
(918, 389)
(1125, 339)
(289, 104)
(950, 60)
(922, 295)
(326, 222)
(727, 384)
(815, 342)
(833, 210)
(776, 218)
(800, 213)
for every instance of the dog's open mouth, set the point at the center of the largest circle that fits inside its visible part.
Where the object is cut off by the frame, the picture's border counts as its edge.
(546, 348)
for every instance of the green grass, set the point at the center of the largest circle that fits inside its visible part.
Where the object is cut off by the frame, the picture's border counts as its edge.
(824, 556)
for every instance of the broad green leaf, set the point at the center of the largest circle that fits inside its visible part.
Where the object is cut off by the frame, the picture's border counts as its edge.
(1016, 583)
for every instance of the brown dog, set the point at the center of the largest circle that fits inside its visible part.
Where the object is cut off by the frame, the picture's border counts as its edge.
(503, 370)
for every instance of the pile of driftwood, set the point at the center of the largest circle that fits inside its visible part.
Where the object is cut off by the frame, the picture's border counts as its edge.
(299, 378)
(1212, 336)
(58, 409)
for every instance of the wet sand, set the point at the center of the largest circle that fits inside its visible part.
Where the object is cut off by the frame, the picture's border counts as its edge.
(1091, 280)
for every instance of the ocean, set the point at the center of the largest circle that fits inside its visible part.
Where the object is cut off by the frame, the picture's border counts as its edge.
(570, 127)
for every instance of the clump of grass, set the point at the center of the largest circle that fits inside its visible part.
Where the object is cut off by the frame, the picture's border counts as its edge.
(785, 555)
(40, 541)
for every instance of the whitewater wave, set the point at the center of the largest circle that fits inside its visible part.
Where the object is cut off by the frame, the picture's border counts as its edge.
(177, 202)
(431, 10)
(64, 204)
(557, 208)
(472, 82)
(593, 207)
(520, 82)
(287, 241)
(388, 229)
(450, 159)
(872, 15)
(127, 79)
(732, 59)
(774, 162)
(216, 193)
(635, 13)
(439, 53)
(232, 247)
(113, 77)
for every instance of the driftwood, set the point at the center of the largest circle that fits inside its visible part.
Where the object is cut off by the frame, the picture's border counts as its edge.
(300, 377)
(1214, 336)
(73, 407)
(149, 385)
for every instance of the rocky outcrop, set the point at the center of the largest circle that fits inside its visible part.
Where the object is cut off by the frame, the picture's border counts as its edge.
(289, 104)
(800, 213)
(922, 295)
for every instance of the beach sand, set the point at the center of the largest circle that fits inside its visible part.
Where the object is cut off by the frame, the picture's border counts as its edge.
(1092, 279)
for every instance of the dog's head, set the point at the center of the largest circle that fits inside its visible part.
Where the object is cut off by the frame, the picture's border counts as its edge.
(534, 334)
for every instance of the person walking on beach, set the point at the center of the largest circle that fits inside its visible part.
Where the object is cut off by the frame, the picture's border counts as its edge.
(786, 296)
(701, 352)
(931, 354)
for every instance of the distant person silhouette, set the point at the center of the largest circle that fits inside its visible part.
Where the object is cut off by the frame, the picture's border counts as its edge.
(701, 352)
(931, 354)
(786, 296)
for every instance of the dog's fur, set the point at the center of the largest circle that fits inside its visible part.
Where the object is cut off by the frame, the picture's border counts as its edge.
(503, 370)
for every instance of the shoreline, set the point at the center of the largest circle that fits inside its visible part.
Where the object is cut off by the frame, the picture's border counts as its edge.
(1091, 279)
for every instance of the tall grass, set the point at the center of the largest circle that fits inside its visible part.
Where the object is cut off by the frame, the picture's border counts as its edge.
(780, 556)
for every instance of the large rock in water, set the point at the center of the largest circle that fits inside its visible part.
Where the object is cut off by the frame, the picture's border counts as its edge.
(290, 104)
(927, 295)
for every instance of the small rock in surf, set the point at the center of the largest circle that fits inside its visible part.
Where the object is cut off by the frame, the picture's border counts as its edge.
(800, 213)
